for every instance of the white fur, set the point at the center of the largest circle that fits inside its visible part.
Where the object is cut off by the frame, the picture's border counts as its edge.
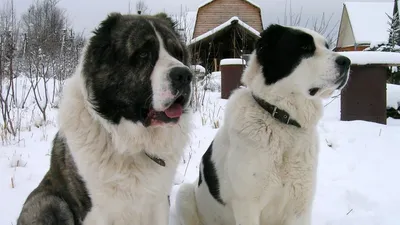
(266, 169)
(161, 83)
(125, 186)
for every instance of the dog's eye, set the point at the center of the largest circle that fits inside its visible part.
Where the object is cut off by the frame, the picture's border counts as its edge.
(143, 55)
(306, 47)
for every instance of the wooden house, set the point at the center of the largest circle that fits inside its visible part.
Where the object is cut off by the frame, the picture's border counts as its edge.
(363, 24)
(223, 29)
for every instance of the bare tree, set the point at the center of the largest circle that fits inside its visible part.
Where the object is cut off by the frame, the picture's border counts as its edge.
(326, 27)
(72, 44)
(44, 24)
(43, 47)
(322, 24)
(8, 39)
(141, 7)
(129, 7)
(290, 18)
(185, 24)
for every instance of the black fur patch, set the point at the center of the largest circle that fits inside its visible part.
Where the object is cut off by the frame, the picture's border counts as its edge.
(210, 175)
(280, 49)
(119, 61)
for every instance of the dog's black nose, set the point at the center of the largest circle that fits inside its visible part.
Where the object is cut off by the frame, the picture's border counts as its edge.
(180, 77)
(343, 64)
(343, 61)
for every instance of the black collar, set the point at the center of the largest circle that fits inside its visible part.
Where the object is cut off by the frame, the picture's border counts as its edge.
(155, 159)
(276, 112)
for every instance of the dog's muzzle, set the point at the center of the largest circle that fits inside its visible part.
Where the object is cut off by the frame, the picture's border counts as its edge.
(180, 78)
(343, 64)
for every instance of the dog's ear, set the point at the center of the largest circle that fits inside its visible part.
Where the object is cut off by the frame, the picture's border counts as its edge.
(107, 25)
(171, 23)
(100, 46)
(270, 37)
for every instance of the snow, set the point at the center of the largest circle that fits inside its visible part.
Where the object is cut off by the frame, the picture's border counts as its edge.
(233, 61)
(222, 26)
(209, 1)
(369, 21)
(198, 68)
(211, 82)
(371, 57)
(357, 172)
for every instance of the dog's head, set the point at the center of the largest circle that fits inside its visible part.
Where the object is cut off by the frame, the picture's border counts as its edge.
(295, 60)
(136, 68)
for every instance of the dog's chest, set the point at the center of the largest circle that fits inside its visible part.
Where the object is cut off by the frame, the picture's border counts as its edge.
(125, 179)
(274, 164)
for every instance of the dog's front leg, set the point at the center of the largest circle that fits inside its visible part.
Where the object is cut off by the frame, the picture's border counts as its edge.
(246, 212)
(161, 213)
(301, 206)
(303, 218)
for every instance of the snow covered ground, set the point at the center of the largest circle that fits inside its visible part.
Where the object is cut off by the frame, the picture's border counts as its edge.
(358, 176)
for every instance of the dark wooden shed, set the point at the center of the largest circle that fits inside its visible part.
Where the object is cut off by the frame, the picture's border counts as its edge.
(364, 97)
(231, 74)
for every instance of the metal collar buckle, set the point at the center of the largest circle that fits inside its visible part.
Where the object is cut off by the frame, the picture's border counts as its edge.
(274, 111)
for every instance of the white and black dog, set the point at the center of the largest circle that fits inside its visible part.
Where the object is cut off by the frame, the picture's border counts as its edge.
(261, 166)
(123, 125)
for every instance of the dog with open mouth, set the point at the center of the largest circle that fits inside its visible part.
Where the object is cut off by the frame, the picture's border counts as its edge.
(124, 122)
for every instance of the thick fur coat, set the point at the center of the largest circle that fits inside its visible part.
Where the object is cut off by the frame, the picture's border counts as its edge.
(123, 112)
(259, 170)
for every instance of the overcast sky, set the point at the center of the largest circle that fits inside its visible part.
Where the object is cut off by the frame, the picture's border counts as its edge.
(86, 14)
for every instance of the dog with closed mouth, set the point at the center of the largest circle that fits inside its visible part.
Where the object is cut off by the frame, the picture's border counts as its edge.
(123, 125)
(260, 169)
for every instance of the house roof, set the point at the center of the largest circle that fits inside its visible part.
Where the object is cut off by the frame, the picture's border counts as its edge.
(373, 58)
(222, 26)
(188, 24)
(369, 21)
(209, 1)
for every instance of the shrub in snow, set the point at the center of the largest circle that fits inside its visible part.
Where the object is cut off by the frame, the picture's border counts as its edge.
(56, 103)
(211, 82)
(17, 161)
(198, 72)
(393, 101)
(37, 121)
(393, 113)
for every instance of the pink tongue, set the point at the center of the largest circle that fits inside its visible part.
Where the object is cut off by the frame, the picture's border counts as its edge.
(174, 111)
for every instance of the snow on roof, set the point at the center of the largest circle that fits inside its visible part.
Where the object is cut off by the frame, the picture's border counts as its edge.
(233, 61)
(370, 57)
(369, 21)
(224, 25)
(209, 1)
